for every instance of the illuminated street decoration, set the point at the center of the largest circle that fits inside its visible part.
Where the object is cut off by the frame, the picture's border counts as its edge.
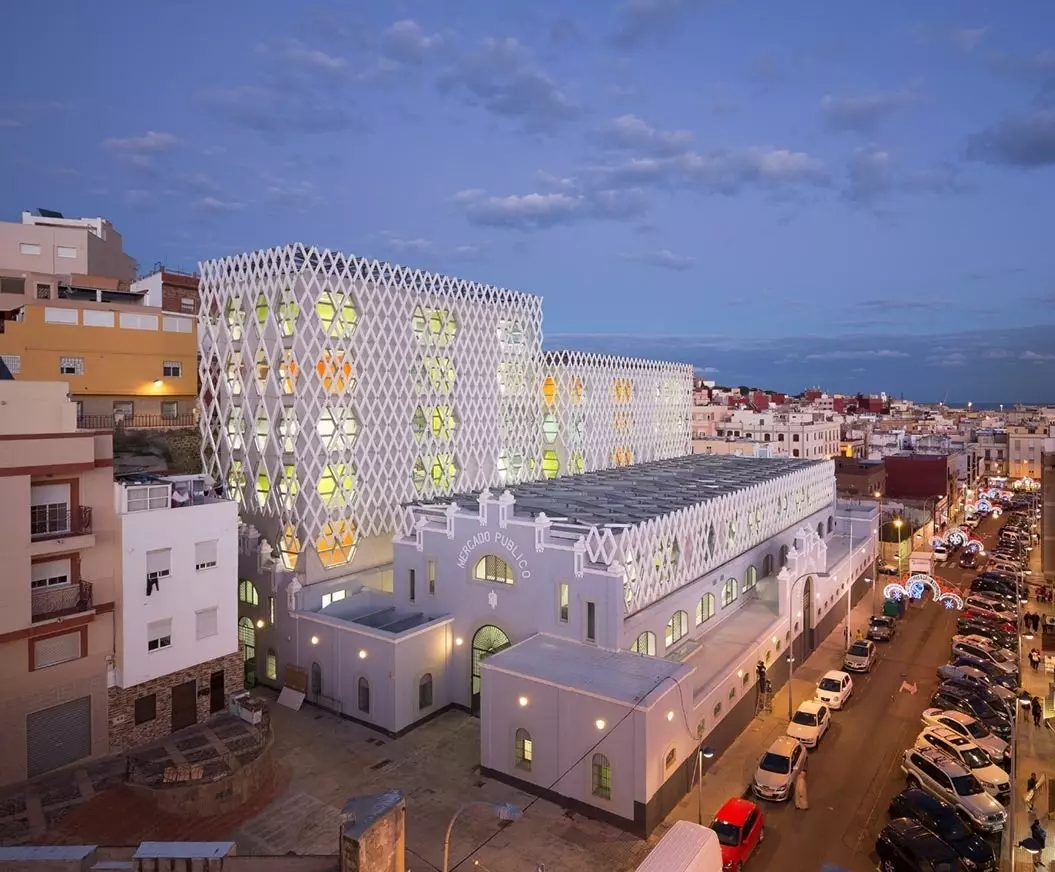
(914, 587)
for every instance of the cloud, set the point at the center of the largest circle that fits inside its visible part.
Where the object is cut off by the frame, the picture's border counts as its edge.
(631, 133)
(151, 142)
(1023, 141)
(216, 205)
(295, 55)
(1035, 356)
(271, 110)
(296, 196)
(503, 78)
(645, 21)
(407, 43)
(1039, 66)
(9, 123)
(664, 258)
(997, 354)
(706, 370)
(542, 211)
(864, 113)
(870, 175)
(967, 38)
(855, 354)
(947, 359)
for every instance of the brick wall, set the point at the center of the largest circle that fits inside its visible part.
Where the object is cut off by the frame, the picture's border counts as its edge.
(177, 288)
(125, 734)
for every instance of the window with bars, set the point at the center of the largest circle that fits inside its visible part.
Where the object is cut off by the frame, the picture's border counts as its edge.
(247, 592)
(705, 608)
(49, 518)
(364, 695)
(425, 691)
(172, 369)
(169, 409)
(645, 644)
(493, 569)
(271, 665)
(677, 627)
(524, 750)
(71, 366)
(601, 776)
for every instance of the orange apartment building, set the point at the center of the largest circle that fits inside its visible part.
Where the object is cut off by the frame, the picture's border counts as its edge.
(57, 530)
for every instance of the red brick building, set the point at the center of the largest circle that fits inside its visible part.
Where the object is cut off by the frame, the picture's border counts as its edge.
(920, 476)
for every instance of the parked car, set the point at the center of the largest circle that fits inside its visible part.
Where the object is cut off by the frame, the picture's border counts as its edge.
(949, 696)
(968, 560)
(984, 649)
(882, 628)
(860, 656)
(907, 846)
(969, 675)
(998, 750)
(991, 607)
(972, 523)
(810, 723)
(835, 688)
(888, 569)
(942, 776)
(941, 553)
(993, 588)
(994, 673)
(740, 827)
(969, 755)
(777, 769)
(987, 630)
(998, 703)
(943, 821)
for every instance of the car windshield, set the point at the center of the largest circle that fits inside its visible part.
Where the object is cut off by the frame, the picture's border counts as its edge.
(778, 763)
(880, 622)
(1001, 655)
(807, 719)
(830, 684)
(859, 649)
(975, 758)
(966, 785)
(728, 834)
(977, 729)
(949, 828)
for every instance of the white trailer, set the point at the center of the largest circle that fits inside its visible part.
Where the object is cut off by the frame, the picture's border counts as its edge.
(686, 847)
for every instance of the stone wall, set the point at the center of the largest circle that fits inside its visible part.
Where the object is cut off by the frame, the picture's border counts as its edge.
(124, 734)
(177, 450)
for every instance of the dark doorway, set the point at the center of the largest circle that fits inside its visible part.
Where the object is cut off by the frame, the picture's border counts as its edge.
(316, 682)
(488, 640)
(184, 705)
(802, 641)
(217, 697)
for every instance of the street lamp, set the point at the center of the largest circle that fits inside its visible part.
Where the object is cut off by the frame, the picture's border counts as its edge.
(899, 523)
(791, 640)
(706, 752)
(878, 494)
(504, 811)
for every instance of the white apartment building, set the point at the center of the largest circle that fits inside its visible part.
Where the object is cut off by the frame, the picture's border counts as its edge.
(176, 652)
(792, 435)
(1026, 444)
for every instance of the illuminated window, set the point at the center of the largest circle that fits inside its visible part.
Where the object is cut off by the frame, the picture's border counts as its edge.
(442, 326)
(235, 372)
(621, 421)
(419, 474)
(511, 377)
(705, 608)
(730, 591)
(750, 578)
(622, 456)
(262, 369)
(288, 427)
(289, 548)
(494, 569)
(523, 751)
(645, 644)
(288, 486)
(666, 559)
(336, 484)
(440, 372)
(549, 390)
(288, 313)
(622, 390)
(263, 488)
(425, 691)
(549, 427)
(337, 428)
(601, 776)
(418, 423)
(247, 593)
(576, 390)
(261, 309)
(443, 423)
(550, 463)
(271, 672)
(444, 471)
(235, 318)
(336, 544)
(335, 372)
(677, 627)
(263, 426)
(288, 372)
(502, 465)
(337, 312)
(235, 429)
(577, 463)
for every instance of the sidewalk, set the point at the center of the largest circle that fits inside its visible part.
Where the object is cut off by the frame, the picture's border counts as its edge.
(730, 774)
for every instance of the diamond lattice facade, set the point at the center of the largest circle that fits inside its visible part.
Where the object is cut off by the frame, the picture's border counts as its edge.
(336, 389)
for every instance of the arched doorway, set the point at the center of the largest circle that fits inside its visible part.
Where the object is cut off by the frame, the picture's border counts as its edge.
(488, 640)
(807, 609)
(247, 636)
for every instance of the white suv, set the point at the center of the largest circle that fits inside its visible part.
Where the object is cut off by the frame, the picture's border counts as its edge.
(973, 729)
(960, 748)
(941, 776)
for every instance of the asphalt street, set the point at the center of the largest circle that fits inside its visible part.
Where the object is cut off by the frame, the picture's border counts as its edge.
(855, 772)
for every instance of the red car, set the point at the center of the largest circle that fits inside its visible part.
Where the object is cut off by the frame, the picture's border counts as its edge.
(989, 618)
(740, 829)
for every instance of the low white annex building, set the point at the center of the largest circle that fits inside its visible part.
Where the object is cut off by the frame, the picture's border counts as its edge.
(602, 625)
(176, 648)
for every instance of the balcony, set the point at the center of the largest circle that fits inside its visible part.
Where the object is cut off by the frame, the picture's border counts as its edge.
(136, 422)
(61, 601)
(59, 522)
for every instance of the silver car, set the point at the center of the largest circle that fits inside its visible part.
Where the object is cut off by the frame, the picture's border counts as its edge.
(777, 769)
(861, 656)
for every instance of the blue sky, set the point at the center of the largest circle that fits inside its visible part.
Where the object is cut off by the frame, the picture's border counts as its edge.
(859, 196)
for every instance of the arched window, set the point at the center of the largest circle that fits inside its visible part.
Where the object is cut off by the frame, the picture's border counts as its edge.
(820, 529)
(601, 776)
(767, 566)
(671, 758)
(750, 578)
(730, 591)
(271, 665)
(247, 592)
(494, 569)
(677, 627)
(523, 750)
(247, 636)
(705, 608)
(783, 556)
(425, 691)
(645, 644)
(364, 695)
(831, 523)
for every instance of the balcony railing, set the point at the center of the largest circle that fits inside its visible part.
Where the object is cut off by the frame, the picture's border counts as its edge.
(136, 422)
(46, 523)
(62, 600)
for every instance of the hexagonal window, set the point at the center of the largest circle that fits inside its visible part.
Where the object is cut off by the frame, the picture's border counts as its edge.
(235, 429)
(516, 463)
(576, 390)
(263, 367)
(440, 372)
(502, 467)
(712, 539)
(418, 322)
(336, 544)
(549, 390)
(419, 424)
(288, 313)
(337, 312)
(263, 488)
(443, 422)
(263, 428)
(289, 548)
(336, 484)
(337, 428)
(288, 372)
(444, 471)
(288, 487)
(419, 474)
(262, 308)
(288, 427)
(442, 326)
(732, 531)
(550, 429)
(335, 371)
(235, 318)
(578, 426)
(578, 463)
(234, 371)
(236, 481)
(550, 463)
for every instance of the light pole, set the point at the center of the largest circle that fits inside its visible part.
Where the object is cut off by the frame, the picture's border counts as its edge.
(504, 811)
(850, 586)
(706, 752)
(791, 643)
(898, 523)
(879, 546)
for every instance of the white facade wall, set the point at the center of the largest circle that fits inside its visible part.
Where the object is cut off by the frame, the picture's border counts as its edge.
(794, 435)
(181, 594)
(150, 288)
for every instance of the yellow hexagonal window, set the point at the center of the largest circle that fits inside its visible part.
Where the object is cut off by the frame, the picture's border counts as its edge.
(550, 463)
(336, 544)
(289, 548)
(288, 313)
(263, 367)
(288, 486)
(444, 471)
(262, 308)
(336, 484)
(263, 488)
(418, 474)
(440, 372)
(337, 312)
(288, 372)
(337, 428)
(263, 428)
(235, 318)
(443, 423)
(577, 464)
(335, 371)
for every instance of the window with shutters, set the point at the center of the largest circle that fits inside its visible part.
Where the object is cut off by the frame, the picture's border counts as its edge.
(159, 566)
(172, 369)
(159, 635)
(247, 593)
(54, 650)
(206, 623)
(205, 555)
(146, 709)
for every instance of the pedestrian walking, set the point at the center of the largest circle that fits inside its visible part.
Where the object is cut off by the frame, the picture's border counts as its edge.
(1037, 710)
(801, 796)
(1034, 659)
(1031, 790)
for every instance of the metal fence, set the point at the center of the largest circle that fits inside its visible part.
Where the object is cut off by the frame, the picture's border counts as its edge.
(133, 422)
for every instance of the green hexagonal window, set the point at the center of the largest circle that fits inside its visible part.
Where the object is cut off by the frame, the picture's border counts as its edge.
(288, 313)
(578, 463)
(419, 424)
(263, 488)
(288, 486)
(236, 482)
(443, 422)
(549, 427)
(336, 484)
(235, 317)
(418, 474)
(262, 308)
(235, 429)
(444, 471)
(337, 312)
(550, 463)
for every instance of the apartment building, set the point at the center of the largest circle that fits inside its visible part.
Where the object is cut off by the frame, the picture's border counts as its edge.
(793, 435)
(1026, 445)
(51, 244)
(987, 453)
(170, 289)
(176, 653)
(57, 531)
